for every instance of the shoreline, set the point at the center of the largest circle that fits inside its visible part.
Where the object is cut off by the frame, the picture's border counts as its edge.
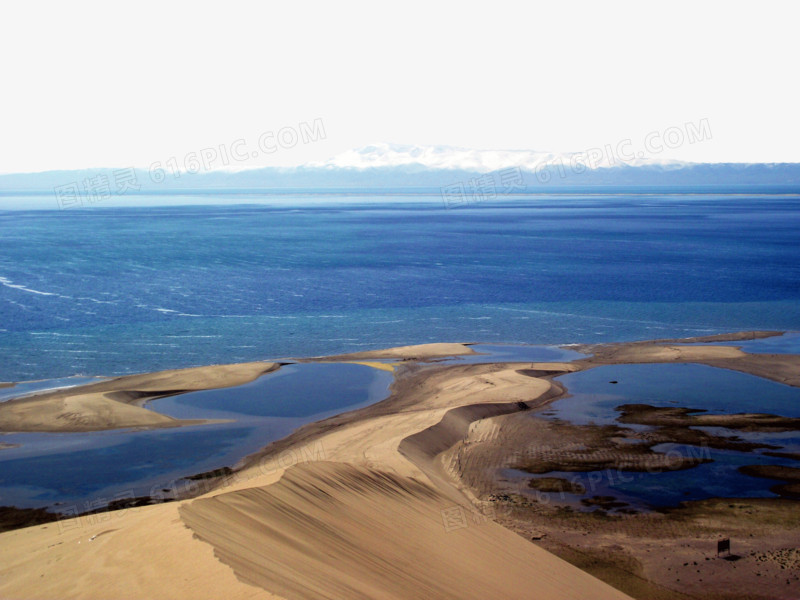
(402, 446)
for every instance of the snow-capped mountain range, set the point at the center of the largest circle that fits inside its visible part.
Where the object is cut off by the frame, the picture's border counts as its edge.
(427, 168)
(383, 155)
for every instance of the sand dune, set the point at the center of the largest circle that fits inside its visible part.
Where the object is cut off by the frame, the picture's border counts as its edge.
(336, 531)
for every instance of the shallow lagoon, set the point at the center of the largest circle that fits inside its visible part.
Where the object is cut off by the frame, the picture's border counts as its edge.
(73, 469)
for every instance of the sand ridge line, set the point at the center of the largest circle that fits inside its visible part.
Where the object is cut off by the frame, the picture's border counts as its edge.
(320, 516)
(336, 530)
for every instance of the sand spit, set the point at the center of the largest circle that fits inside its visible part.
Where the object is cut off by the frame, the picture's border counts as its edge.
(417, 352)
(783, 368)
(118, 403)
(393, 501)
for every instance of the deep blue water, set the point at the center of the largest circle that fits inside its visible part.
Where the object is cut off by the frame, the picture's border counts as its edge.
(108, 291)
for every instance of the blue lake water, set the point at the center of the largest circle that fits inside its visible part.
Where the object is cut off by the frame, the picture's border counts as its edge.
(109, 291)
(70, 469)
(718, 391)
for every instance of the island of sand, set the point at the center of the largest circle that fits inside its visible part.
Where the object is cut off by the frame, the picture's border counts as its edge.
(400, 499)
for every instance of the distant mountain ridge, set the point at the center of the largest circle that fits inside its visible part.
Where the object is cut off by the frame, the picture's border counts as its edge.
(388, 166)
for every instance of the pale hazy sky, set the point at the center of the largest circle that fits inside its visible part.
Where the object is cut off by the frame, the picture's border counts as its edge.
(127, 84)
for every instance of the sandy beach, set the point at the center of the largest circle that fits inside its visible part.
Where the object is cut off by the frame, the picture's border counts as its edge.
(400, 499)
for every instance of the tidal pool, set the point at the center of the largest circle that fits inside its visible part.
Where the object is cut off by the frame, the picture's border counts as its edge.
(595, 395)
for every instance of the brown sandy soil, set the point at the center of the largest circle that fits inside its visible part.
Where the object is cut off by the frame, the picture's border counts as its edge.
(542, 446)
(118, 403)
(736, 336)
(417, 352)
(673, 555)
(557, 485)
(791, 455)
